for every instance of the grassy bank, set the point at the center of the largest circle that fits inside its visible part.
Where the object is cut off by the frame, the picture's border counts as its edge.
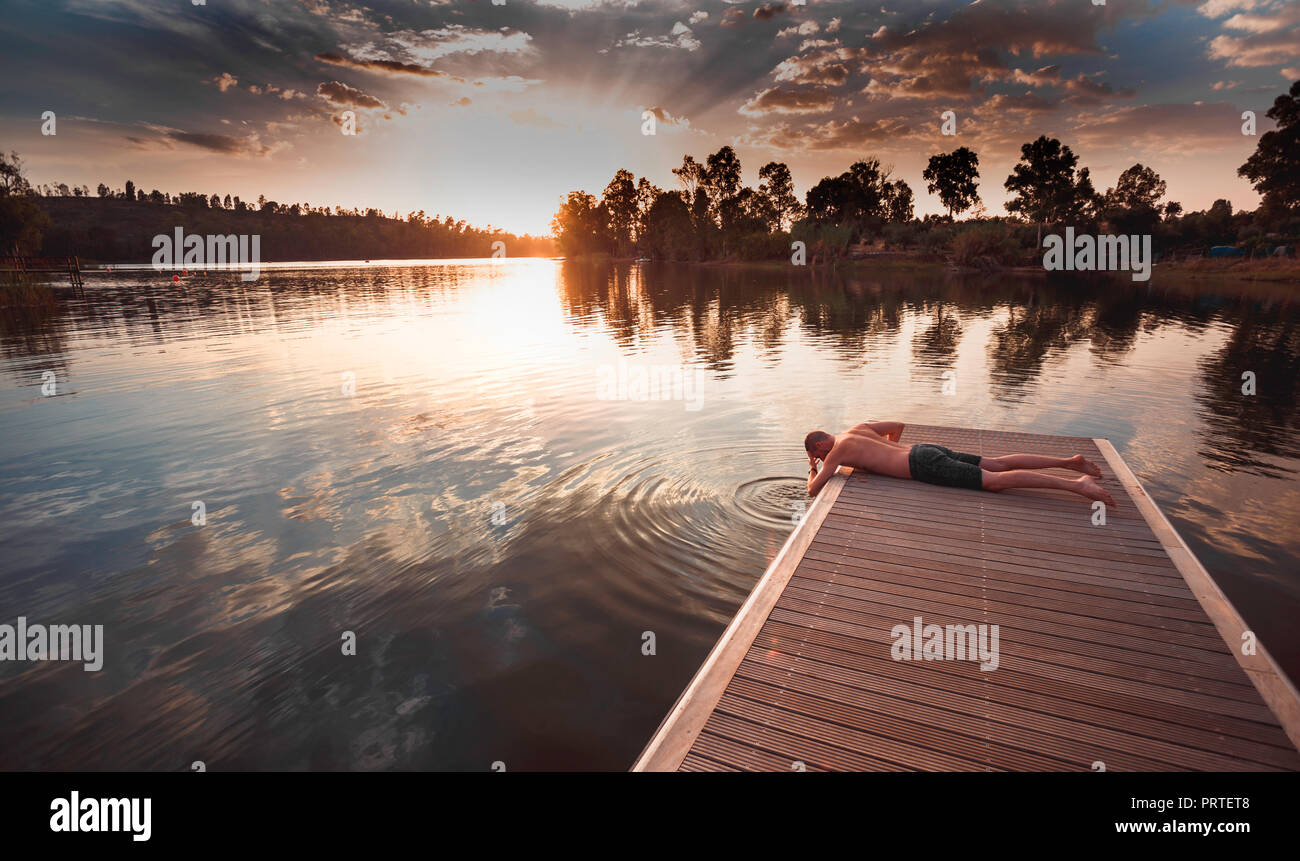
(1284, 269)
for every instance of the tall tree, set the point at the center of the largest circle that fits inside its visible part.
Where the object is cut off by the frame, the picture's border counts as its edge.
(954, 177)
(1133, 205)
(722, 177)
(670, 233)
(1046, 185)
(646, 194)
(620, 203)
(777, 187)
(21, 220)
(129, 194)
(862, 194)
(898, 201)
(1274, 168)
(577, 226)
(691, 175)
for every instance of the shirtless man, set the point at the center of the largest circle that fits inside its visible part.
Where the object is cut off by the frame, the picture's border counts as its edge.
(874, 447)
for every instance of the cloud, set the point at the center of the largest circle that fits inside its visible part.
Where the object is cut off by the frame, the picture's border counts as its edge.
(953, 56)
(827, 63)
(1044, 77)
(225, 81)
(697, 17)
(807, 28)
(391, 67)
(789, 100)
(339, 93)
(768, 11)
(424, 46)
(1028, 101)
(1219, 8)
(733, 17)
(852, 133)
(164, 138)
(1270, 38)
(1085, 91)
(665, 118)
(680, 37)
(1165, 128)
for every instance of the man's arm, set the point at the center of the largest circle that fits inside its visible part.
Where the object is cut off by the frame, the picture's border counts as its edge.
(816, 480)
(891, 431)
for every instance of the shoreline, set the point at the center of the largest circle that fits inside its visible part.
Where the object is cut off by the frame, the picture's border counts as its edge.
(1268, 270)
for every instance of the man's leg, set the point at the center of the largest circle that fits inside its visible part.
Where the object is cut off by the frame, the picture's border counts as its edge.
(1078, 463)
(1084, 485)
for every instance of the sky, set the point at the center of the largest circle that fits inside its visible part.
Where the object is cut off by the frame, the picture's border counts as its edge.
(492, 111)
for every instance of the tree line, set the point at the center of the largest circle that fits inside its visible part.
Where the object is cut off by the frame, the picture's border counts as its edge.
(118, 224)
(713, 216)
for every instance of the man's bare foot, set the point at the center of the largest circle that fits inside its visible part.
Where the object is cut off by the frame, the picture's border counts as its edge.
(1079, 463)
(1089, 487)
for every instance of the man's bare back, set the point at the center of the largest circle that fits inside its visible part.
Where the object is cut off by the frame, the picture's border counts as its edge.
(861, 447)
(875, 447)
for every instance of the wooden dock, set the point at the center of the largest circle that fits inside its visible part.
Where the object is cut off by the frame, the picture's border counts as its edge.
(1116, 651)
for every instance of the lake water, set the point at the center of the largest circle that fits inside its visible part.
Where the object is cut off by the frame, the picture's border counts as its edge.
(436, 458)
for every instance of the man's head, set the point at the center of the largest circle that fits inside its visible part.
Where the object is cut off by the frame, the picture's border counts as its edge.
(819, 444)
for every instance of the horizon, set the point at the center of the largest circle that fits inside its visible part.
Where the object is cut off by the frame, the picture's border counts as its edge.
(491, 114)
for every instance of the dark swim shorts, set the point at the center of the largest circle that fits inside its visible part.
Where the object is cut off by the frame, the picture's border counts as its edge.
(935, 464)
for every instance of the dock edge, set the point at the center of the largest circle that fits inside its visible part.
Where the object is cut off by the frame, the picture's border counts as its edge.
(1272, 683)
(678, 731)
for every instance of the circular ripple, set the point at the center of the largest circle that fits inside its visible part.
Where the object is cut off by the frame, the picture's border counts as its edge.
(686, 525)
(772, 500)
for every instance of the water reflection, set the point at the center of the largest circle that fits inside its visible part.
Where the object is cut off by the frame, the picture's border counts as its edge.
(499, 537)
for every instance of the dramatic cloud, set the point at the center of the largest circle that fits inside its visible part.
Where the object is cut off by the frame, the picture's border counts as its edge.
(391, 67)
(827, 63)
(807, 28)
(680, 37)
(164, 138)
(849, 134)
(833, 79)
(1271, 37)
(430, 45)
(338, 93)
(789, 100)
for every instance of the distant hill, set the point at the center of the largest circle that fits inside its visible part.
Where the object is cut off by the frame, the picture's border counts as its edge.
(113, 230)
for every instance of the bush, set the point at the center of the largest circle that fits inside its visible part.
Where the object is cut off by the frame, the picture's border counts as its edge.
(984, 244)
(762, 246)
(823, 239)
